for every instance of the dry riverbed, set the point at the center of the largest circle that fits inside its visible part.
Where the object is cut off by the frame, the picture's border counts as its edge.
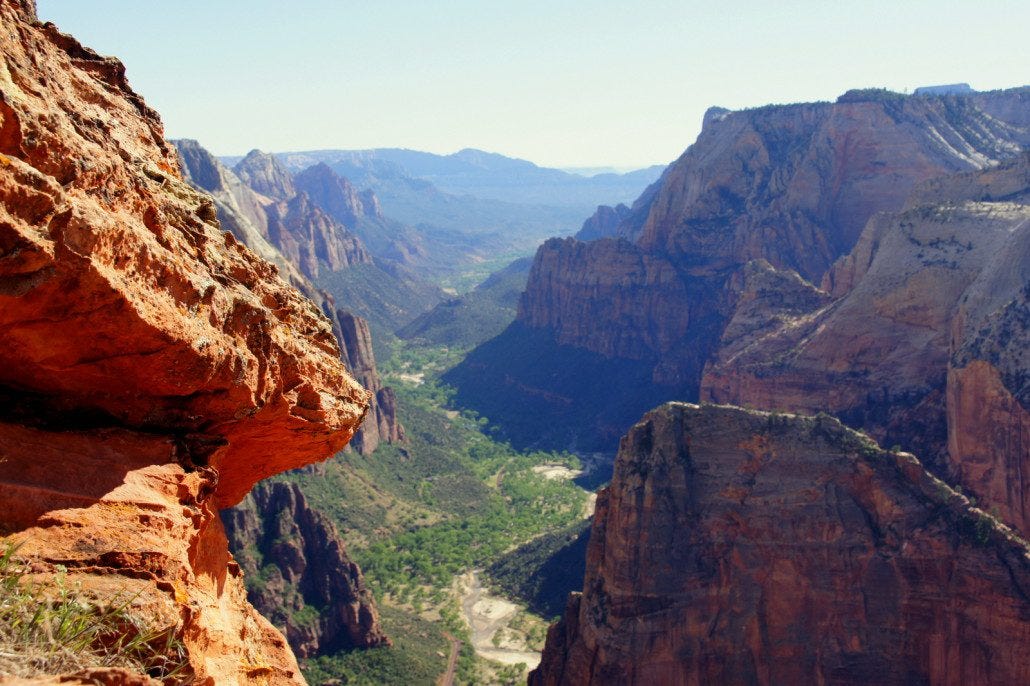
(487, 615)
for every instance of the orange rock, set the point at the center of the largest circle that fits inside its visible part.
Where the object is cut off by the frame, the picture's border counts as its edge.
(923, 347)
(153, 369)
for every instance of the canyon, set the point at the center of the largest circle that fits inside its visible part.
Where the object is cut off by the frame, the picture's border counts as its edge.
(194, 426)
(794, 185)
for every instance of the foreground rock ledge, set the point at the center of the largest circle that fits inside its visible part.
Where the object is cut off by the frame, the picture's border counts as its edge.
(739, 547)
(152, 369)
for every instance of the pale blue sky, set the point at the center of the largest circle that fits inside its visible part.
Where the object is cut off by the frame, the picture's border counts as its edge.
(559, 83)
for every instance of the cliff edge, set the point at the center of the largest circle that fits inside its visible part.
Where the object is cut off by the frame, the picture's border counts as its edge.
(153, 369)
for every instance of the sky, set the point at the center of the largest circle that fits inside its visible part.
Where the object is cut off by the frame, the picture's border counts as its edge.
(562, 83)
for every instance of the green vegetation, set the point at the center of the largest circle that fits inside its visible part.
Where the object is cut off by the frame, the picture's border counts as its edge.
(416, 514)
(523, 506)
(418, 656)
(477, 316)
(387, 298)
(54, 630)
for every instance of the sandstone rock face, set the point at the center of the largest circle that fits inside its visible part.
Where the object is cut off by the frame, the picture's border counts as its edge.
(926, 345)
(303, 567)
(791, 185)
(311, 239)
(336, 194)
(153, 369)
(400, 245)
(381, 424)
(748, 548)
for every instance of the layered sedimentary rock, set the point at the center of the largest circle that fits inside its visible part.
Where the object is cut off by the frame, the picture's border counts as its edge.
(285, 229)
(300, 575)
(337, 195)
(924, 347)
(393, 241)
(263, 173)
(153, 369)
(744, 547)
(791, 185)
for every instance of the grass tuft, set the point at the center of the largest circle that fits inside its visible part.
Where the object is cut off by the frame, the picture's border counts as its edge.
(58, 631)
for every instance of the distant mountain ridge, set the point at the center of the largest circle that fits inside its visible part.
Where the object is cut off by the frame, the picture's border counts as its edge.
(477, 203)
(485, 175)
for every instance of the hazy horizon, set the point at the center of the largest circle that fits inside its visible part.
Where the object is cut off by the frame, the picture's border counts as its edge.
(576, 85)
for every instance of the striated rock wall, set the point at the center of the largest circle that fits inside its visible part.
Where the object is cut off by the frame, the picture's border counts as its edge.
(336, 194)
(743, 547)
(153, 369)
(301, 577)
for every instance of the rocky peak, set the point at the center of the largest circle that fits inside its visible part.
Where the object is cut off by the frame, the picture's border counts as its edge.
(311, 239)
(604, 223)
(333, 193)
(713, 115)
(263, 172)
(745, 547)
(807, 170)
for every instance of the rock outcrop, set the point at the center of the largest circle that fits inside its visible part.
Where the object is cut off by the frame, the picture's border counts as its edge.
(263, 173)
(926, 344)
(153, 369)
(337, 195)
(299, 574)
(791, 185)
(751, 548)
(402, 245)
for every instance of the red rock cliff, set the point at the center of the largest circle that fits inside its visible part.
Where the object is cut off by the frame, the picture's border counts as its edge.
(737, 547)
(153, 369)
